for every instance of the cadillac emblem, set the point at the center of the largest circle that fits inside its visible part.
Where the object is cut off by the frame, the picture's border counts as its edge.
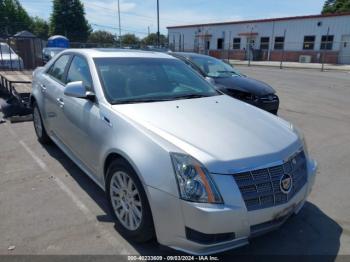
(286, 184)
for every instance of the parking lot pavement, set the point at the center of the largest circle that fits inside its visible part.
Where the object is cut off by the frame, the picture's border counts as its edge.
(48, 206)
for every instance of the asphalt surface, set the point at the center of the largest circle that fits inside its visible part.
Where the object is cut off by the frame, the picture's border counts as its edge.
(48, 206)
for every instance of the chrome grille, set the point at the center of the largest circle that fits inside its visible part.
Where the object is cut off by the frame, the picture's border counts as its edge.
(261, 188)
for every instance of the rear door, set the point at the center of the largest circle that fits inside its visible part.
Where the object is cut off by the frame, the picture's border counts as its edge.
(53, 87)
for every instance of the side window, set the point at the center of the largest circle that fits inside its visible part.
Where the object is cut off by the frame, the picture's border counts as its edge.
(58, 68)
(79, 71)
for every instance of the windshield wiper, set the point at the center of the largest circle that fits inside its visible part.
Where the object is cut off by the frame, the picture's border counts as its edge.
(141, 100)
(223, 72)
(190, 96)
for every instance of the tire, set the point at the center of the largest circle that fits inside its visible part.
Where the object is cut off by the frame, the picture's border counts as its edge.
(39, 128)
(137, 223)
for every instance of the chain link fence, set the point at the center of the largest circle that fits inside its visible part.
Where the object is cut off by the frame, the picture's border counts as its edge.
(26, 53)
(330, 55)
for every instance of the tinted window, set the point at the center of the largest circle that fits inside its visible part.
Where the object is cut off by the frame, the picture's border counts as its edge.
(236, 43)
(79, 71)
(327, 42)
(136, 79)
(264, 43)
(58, 68)
(214, 67)
(279, 43)
(309, 42)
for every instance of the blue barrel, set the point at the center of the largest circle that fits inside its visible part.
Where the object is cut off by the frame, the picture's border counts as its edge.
(58, 41)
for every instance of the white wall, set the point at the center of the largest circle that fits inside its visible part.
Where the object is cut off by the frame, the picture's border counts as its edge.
(295, 32)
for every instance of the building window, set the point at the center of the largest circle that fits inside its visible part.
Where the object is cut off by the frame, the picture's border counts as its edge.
(207, 45)
(327, 42)
(220, 43)
(279, 43)
(309, 42)
(265, 43)
(236, 43)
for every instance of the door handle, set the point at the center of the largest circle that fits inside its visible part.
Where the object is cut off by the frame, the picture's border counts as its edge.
(60, 102)
(107, 121)
(43, 88)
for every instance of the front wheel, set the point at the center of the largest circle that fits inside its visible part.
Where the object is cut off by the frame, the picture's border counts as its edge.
(128, 202)
(40, 131)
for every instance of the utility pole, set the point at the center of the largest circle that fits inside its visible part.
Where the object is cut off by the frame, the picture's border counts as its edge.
(325, 47)
(158, 33)
(149, 31)
(250, 45)
(120, 28)
(284, 45)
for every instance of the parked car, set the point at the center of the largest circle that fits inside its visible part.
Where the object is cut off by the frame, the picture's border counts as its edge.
(231, 82)
(50, 52)
(9, 59)
(201, 171)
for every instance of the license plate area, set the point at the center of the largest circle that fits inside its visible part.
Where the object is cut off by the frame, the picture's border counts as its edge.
(285, 212)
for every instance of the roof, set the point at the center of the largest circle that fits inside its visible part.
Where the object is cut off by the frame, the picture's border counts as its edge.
(262, 20)
(25, 34)
(58, 37)
(114, 52)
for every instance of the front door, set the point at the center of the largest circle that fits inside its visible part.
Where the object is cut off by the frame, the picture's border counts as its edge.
(251, 40)
(344, 55)
(81, 118)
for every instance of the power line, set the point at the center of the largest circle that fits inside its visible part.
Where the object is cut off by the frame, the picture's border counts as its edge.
(117, 28)
(145, 17)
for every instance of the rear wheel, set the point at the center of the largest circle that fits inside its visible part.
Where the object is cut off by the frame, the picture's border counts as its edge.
(39, 127)
(128, 202)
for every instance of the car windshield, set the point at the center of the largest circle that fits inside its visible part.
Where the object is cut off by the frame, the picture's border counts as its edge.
(140, 80)
(213, 67)
(5, 49)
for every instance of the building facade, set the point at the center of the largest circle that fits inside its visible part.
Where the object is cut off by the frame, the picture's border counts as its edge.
(315, 38)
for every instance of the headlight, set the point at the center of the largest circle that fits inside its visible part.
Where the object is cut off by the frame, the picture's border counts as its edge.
(194, 181)
(301, 137)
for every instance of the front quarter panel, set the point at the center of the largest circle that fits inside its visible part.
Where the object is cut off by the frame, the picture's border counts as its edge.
(148, 156)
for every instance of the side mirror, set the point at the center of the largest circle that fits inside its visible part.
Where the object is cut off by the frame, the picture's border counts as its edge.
(210, 80)
(78, 90)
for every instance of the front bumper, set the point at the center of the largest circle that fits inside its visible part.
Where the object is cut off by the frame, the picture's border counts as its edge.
(232, 217)
(269, 103)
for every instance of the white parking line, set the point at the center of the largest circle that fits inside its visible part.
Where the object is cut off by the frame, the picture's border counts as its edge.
(123, 248)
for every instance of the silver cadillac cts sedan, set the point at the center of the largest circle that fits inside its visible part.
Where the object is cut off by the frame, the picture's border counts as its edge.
(179, 161)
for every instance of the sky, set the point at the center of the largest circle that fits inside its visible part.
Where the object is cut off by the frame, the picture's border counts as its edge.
(139, 15)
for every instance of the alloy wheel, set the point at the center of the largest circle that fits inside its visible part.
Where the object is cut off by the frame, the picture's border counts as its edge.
(126, 200)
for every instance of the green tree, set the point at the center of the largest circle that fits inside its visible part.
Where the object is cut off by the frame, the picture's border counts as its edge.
(130, 40)
(152, 40)
(13, 17)
(68, 19)
(102, 37)
(40, 27)
(336, 6)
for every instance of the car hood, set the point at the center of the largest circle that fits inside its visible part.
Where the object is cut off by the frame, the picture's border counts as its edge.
(245, 84)
(226, 135)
